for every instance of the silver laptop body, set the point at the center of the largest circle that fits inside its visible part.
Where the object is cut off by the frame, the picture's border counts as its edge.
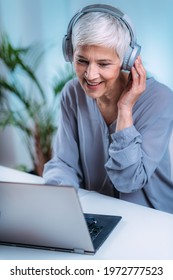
(48, 217)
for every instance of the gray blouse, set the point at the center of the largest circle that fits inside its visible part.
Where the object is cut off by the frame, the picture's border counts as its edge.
(132, 164)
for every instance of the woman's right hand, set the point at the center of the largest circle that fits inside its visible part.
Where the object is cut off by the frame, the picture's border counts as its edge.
(135, 87)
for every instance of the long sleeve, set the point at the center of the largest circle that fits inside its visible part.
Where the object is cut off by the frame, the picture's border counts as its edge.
(138, 151)
(64, 168)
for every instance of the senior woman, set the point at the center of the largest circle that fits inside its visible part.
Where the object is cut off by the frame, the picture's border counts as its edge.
(115, 124)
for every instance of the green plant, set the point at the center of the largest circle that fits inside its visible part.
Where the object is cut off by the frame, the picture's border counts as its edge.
(24, 102)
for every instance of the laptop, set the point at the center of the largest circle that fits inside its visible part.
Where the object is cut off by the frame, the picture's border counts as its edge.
(50, 217)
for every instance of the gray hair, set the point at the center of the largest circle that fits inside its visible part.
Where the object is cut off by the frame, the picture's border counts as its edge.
(101, 29)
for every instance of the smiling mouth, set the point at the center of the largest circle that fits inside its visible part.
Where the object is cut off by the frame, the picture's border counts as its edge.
(92, 84)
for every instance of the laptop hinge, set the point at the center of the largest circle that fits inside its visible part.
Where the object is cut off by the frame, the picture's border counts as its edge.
(79, 251)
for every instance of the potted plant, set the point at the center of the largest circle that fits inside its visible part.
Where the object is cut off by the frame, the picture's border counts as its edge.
(29, 108)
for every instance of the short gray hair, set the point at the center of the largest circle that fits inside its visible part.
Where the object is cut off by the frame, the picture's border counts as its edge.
(101, 29)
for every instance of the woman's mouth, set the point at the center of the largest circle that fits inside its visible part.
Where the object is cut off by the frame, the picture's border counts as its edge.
(92, 85)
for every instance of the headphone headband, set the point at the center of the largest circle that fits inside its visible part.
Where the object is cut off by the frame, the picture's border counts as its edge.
(134, 48)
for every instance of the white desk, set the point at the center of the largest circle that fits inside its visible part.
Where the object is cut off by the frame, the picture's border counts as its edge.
(142, 234)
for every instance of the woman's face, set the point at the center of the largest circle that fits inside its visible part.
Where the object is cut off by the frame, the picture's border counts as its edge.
(97, 69)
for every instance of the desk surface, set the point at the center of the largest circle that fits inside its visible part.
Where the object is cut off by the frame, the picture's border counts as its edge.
(143, 233)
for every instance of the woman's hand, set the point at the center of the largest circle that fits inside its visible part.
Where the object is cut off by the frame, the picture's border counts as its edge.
(135, 87)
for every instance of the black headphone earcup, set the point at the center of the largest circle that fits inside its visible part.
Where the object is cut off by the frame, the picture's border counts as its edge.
(67, 49)
(130, 57)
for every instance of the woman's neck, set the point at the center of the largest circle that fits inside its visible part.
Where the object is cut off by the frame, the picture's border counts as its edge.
(107, 104)
(111, 98)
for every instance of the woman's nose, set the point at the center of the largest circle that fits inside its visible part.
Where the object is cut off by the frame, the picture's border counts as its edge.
(92, 72)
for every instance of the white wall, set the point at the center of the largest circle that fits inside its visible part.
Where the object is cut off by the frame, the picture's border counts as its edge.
(28, 21)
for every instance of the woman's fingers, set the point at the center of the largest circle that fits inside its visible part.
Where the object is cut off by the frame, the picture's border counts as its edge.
(139, 75)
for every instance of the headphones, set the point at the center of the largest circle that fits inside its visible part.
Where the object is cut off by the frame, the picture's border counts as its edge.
(133, 50)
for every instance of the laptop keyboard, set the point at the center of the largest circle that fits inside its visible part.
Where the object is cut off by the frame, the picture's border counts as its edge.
(94, 228)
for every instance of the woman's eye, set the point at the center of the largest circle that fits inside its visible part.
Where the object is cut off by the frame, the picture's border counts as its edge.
(81, 61)
(104, 64)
